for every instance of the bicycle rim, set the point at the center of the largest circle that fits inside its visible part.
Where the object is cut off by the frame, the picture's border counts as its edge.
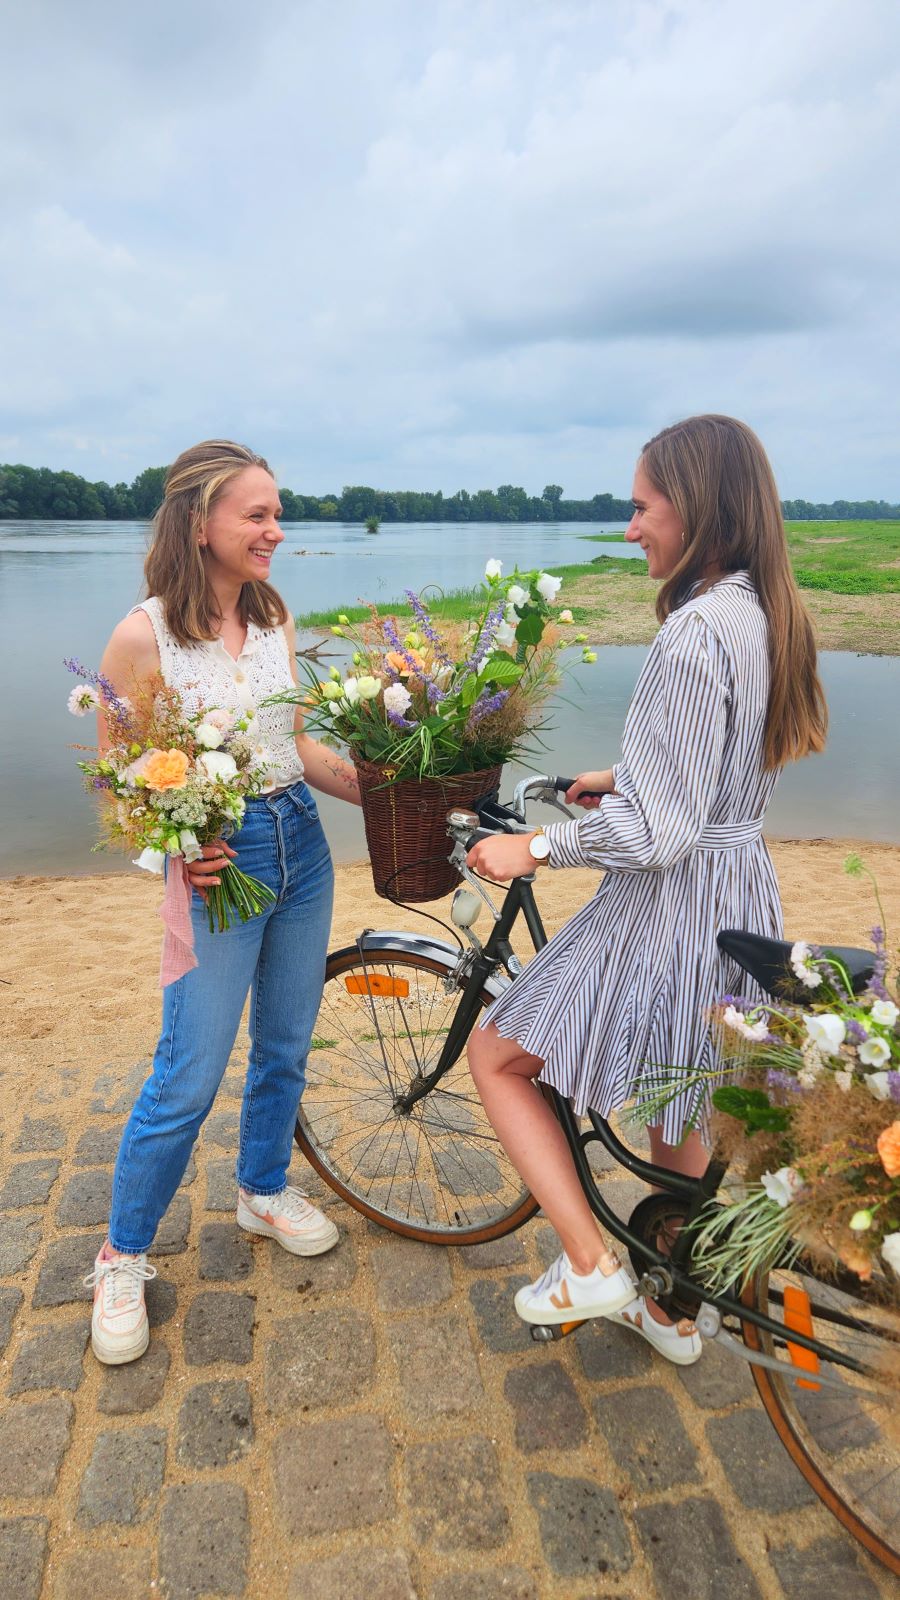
(845, 1440)
(438, 1172)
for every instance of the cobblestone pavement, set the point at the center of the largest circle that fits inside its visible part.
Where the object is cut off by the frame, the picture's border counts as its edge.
(375, 1422)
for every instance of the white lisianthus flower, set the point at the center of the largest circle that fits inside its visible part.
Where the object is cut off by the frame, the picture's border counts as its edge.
(801, 963)
(885, 1012)
(735, 1019)
(350, 691)
(505, 636)
(890, 1249)
(565, 616)
(217, 766)
(82, 700)
(782, 1186)
(844, 1081)
(208, 735)
(331, 691)
(369, 688)
(878, 1085)
(875, 1052)
(190, 845)
(548, 588)
(397, 698)
(150, 860)
(493, 570)
(516, 595)
(220, 718)
(826, 1031)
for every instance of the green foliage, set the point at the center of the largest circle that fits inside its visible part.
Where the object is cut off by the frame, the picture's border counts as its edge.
(752, 1107)
(851, 557)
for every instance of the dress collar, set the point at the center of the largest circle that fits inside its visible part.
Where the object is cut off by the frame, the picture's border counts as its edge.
(250, 646)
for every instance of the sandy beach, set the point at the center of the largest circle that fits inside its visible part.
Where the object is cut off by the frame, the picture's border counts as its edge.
(79, 956)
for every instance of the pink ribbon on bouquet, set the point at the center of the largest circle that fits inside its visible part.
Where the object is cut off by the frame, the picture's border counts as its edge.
(178, 941)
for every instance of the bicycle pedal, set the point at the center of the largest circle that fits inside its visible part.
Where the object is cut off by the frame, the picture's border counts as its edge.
(797, 1315)
(544, 1333)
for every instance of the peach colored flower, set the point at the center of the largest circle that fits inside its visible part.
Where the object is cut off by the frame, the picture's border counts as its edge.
(166, 769)
(889, 1149)
(400, 664)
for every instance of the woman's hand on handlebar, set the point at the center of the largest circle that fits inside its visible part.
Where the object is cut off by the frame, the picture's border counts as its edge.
(502, 856)
(589, 788)
(202, 873)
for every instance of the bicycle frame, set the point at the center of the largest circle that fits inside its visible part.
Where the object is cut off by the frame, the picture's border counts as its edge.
(681, 1291)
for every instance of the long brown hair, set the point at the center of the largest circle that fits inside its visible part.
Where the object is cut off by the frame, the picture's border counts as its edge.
(716, 474)
(174, 569)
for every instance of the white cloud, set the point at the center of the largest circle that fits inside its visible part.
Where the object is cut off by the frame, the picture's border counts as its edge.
(458, 244)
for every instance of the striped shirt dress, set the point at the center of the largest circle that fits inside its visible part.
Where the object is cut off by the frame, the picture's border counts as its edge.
(627, 984)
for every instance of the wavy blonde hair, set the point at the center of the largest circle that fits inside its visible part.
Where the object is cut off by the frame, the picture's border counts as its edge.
(716, 474)
(175, 570)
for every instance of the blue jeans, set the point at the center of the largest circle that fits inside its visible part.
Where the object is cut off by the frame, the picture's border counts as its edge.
(280, 957)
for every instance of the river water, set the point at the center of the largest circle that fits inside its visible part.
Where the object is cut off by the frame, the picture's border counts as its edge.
(63, 585)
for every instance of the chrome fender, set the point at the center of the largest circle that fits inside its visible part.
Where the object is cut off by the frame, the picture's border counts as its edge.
(419, 945)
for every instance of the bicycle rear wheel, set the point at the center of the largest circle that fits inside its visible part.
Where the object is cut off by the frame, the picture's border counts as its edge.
(437, 1172)
(845, 1440)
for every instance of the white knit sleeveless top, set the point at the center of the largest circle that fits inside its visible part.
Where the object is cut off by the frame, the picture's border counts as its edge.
(206, 675)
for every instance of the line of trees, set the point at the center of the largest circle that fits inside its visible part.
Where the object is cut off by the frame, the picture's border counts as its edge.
(29, 493)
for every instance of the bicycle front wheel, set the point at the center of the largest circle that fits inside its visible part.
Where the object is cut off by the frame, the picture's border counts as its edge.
(436, 1172)
(845, 1438)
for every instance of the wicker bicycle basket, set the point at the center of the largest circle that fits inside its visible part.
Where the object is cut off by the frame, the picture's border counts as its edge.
(406, 828)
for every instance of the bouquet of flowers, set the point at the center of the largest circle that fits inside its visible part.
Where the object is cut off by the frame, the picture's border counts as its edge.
(810, 1116)
(430, 710)
(174, 782)
(437, 699)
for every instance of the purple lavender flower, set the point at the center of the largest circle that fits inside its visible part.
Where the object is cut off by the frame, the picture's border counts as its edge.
(876, 982)
(114, 705)
(894, 1085)
(782, 1080)
(486, 704)
(398, 721)
(856, 1031)
(101, 783)
(427, 627)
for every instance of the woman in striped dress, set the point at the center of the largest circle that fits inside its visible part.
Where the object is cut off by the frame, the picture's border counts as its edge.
(729, 693)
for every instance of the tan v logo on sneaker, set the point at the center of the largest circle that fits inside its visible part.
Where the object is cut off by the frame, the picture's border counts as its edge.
(563, 1302)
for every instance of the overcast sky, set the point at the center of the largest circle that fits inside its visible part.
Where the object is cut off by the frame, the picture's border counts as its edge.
(451, 243)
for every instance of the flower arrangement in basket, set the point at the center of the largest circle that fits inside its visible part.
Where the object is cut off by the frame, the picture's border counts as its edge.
(810, 1117)
(174, 782)
(430, 710)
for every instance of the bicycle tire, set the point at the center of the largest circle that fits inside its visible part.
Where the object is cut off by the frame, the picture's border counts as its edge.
(842, 1441)
(455, 1184)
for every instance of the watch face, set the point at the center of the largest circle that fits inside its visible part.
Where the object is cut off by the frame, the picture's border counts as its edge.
(539, 847)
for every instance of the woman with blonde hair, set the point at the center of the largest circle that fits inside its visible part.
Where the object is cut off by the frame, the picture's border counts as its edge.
(729, 693)
(218, 632)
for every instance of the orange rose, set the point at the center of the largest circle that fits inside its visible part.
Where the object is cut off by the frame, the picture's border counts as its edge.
(166, 769)
(399, 663)
(889, 1150)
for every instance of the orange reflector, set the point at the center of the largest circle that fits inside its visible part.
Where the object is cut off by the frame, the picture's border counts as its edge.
(797, 1316)
(377, 983)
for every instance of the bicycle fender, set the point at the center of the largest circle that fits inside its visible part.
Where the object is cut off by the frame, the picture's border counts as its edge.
(417, 945)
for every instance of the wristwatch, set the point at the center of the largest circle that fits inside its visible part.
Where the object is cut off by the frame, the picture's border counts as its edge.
(539, 846)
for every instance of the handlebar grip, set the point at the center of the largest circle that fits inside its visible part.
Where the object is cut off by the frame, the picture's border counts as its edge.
(561, 785)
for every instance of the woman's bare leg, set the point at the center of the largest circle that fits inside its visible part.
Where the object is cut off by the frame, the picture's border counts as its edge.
(504, 1075)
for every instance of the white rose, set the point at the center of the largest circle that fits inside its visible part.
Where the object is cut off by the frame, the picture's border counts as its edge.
(369, 688)
(782, 1186)
(493, 570)
(878, 1085)
(217, 765)
(827, 1032)
(208, 735)
(885, 1012)
(890, 1249)
(350, 690)
(844, 1081)
(516, 595)
(190, 845)
(397, 698)
(548, 588)
(875, 1052)
(505, 636)
(150, 860)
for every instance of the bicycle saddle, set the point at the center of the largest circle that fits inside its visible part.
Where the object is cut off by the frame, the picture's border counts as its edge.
(769, 962)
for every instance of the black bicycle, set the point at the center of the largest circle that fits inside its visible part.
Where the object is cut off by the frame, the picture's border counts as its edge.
(392, 1122)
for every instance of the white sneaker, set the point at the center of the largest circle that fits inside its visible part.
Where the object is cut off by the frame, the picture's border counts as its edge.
(120, 1330)
(564, 1295)
(677, 1341)
(290, 1219)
